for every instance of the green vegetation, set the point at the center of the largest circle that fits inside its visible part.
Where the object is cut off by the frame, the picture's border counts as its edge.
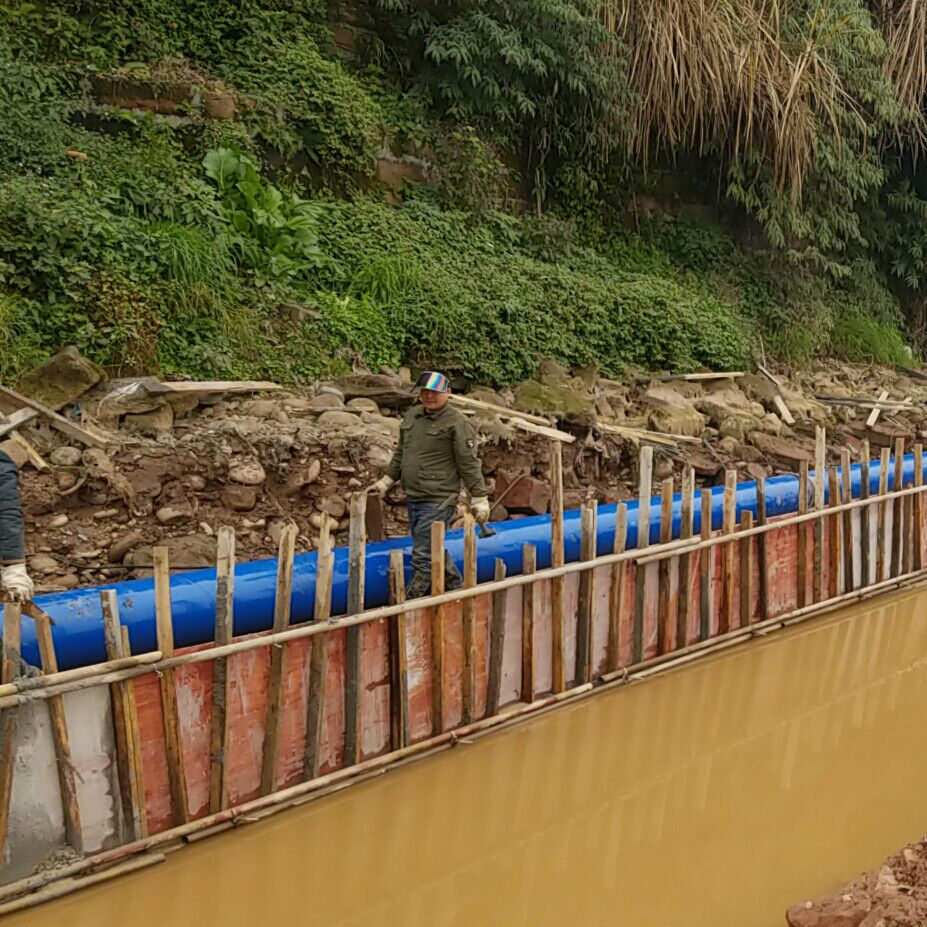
(562, 160)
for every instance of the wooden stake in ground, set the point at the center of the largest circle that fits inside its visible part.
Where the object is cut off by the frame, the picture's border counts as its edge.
(685, 561)
(663, 573)
(59, 726)
(556, 560)
(318, 656)
(275, 685)
(882, 550)
(136, 742)
(746, 570)
(221, 685)
(496, 642)
(616, 589)
(801, 572)
(820, 477)
(706, 597)
(726, 622)
(528, 618)
(836, 537)
(437, 628)
(12, 636)
(586, 595)
(761, 548)
(172, 742)
(645, 474)
(846, 493)
(353, 681)
(918, 514)
(126, 759)
(865, 539)
(898, 510)
(468, 612)
(400, 728)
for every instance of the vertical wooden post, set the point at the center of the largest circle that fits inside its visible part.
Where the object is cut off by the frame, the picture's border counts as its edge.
(556, 560)
(883, 554)
(437, 628)
(865, 541)
(908, 520)
(664, 641)
(836, 537)
(126, 759)
(353, 636)
(729, 552)
(746, 571)
(172, 742)
(706, 595)
(802, 538)
(645, 474)
(496, 642)
(275, 684)
(846, 493)
(761, 549)
(136, 742)
(820, 476)
(12, 635)
(685, 561)
(898, 531)
(221, 684)
(918, 514)
(468, 611)
(528, 616)
(616, 588)
(318, 655)
(399, 657)
(59, 726)
(586, 595)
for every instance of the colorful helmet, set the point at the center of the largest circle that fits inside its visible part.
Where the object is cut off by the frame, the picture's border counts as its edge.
(433, 380)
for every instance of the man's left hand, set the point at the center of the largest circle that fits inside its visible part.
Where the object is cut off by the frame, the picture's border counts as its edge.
(481, 509)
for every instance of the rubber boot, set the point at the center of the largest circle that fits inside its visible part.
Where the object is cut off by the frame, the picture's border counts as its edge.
(419, 586)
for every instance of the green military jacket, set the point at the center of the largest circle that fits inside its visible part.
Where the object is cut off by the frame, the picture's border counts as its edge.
(436, 452)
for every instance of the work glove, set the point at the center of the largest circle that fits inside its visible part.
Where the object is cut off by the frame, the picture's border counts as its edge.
(480, 508)
(17, 582)
(382, 485)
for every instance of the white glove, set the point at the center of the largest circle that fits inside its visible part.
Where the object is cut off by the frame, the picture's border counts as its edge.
(382, 485)
(17, 582)
(480, 508)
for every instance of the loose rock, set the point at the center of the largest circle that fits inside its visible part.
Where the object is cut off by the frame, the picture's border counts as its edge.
(174, 514)
(239, 498)
(247, 472)
(65, 456)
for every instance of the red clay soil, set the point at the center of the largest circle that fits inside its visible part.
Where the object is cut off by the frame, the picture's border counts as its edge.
(894, 895)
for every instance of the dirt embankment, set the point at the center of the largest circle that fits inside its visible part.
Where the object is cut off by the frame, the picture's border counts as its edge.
(894, 895)
(180, 466)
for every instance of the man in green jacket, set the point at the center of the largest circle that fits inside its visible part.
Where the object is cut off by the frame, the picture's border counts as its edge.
(436, 453)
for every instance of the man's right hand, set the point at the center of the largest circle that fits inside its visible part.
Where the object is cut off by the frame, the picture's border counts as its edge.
(381, 486)
(17, 582)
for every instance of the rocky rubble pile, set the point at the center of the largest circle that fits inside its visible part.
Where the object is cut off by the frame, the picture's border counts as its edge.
(181, 464)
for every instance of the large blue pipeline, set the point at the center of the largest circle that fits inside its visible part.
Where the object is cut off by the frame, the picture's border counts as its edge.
(78, 631)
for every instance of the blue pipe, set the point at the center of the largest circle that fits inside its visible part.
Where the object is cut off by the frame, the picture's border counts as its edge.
(78, 631)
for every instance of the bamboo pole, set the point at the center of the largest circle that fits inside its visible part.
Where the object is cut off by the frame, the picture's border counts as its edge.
(353, 670)
(318, 655)
(865, 539)
(496, 642)
(9, 670)
(528, 619)
(586, 596)
(468, 615)
(126, 761)
(400, 728)
(59, 726)
(663, 573)
(884, 558)
(27, 683)
(437, 628)
(172, 743)
(846, 494)
(746, 570)
(706, 595)
(729, 552)
(802, 537)
(761, 548)
(645, 477)
(277, 675)
(135, 740)
(685, 561)
(897, 511)
(556, 560)
(820, 476)
(616, 588)
(836, 537)
(918, 514)
(221, 684)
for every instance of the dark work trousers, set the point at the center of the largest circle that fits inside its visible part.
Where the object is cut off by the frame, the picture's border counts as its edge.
(421, 517)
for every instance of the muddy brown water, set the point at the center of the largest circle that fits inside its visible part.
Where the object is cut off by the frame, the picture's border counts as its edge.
(714, 795)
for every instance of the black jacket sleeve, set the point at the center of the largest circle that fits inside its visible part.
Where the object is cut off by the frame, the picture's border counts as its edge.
(12, 545)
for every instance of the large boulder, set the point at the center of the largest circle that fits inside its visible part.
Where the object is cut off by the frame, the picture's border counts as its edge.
(386, 391)
(789, 452)
(186, 552)
(544, 398)
(61, 379)
(677, 421)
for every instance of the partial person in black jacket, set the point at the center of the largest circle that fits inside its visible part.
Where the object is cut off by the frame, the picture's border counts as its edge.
(13, 575)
